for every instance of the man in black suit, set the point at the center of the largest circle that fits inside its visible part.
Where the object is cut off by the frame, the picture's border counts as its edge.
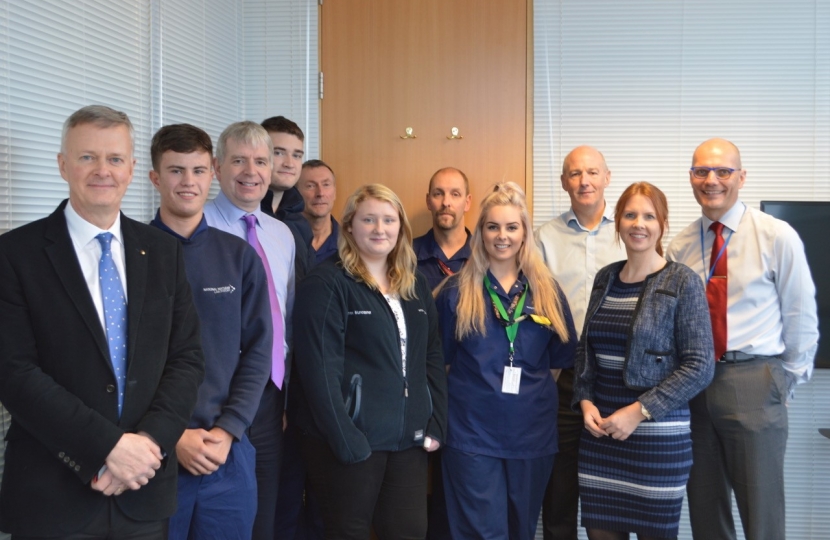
(91, 448)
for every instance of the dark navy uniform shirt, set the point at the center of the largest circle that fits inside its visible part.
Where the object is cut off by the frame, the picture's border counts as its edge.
(483, 419)
(429, 253)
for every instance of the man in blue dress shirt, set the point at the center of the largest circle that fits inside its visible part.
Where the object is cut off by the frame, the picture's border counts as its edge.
(244, 157)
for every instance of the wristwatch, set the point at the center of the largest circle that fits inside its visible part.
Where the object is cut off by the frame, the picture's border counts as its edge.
(645, 412)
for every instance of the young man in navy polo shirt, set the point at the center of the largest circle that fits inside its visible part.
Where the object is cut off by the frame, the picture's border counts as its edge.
(217, 495)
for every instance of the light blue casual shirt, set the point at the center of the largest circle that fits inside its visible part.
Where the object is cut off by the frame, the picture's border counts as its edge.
(575, 254)
(277, 242)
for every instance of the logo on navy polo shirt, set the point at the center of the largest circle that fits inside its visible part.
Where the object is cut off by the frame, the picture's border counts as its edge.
(227, 289)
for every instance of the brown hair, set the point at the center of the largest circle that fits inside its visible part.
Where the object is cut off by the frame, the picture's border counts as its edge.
(179, 138)
(281, 124)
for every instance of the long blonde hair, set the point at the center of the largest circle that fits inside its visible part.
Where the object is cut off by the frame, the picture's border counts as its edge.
(401, 261)
(470, 313)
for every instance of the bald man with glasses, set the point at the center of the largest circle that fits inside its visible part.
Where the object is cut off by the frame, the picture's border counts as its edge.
(764, 322)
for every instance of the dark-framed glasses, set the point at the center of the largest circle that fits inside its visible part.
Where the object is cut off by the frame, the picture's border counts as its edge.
(721, 173)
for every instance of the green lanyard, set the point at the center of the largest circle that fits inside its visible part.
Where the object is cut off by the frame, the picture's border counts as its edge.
(513, 328)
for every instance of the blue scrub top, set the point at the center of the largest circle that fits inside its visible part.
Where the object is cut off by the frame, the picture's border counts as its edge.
(483, 419)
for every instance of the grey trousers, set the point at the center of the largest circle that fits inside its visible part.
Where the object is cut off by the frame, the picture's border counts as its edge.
(739, 435)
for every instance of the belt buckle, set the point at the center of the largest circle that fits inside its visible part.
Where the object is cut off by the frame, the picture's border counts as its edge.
(734, 357)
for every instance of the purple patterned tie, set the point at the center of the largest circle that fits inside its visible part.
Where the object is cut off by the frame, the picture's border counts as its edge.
(278, 351)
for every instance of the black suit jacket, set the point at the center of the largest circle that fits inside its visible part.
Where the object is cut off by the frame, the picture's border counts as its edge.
(57, 381)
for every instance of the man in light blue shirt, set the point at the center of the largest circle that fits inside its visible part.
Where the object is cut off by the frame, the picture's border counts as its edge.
(740, 422)
(576, 245)
(244, 157)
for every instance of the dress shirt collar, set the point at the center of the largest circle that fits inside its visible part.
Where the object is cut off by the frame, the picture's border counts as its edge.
(231, 213)
(83, 232)
(572, 221)
(730, 219)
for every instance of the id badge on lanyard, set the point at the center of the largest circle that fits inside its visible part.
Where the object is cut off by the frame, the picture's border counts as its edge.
(512, 379)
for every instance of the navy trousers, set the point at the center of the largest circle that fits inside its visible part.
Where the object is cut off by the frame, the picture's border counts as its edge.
(494, 498)
(221, 505)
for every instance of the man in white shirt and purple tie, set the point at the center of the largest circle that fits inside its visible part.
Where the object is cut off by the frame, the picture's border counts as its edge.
(764, 321)
(244, 157)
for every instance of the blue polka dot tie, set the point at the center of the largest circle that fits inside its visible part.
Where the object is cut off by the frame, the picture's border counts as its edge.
(115, 314)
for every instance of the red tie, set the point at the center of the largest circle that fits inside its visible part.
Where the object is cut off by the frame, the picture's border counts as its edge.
(716, 291)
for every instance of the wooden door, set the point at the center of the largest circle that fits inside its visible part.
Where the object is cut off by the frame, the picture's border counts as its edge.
(430, 65)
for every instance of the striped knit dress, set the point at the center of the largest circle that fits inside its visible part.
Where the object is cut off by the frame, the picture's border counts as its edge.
(636, 485)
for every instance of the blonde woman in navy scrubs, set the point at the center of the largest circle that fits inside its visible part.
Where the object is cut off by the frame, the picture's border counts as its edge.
(507, 331)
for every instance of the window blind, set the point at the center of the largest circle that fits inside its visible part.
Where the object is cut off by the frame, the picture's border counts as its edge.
(56, 57)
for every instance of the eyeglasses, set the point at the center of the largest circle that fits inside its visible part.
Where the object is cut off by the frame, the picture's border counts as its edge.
(721, 173)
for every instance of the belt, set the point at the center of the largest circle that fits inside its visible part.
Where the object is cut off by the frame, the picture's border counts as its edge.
(734, 357)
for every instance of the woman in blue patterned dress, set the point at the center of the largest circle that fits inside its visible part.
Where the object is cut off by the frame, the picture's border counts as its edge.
(646, 349)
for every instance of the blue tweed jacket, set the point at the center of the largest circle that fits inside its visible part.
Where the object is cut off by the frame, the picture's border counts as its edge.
(669, 354)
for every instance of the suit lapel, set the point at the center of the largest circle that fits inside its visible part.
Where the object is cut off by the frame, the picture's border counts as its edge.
(61, 254)
(135, 253)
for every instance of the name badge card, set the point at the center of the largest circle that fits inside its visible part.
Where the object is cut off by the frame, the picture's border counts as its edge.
(512, 380)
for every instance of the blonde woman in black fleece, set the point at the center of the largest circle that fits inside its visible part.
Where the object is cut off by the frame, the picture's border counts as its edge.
(372, 373)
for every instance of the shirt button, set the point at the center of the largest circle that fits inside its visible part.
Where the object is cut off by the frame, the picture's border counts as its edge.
(110, 388)
(66, 459)
(61, 454)
(77, 468)
(71, 463)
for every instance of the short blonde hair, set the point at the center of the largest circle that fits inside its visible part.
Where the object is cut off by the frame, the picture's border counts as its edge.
(401, 260)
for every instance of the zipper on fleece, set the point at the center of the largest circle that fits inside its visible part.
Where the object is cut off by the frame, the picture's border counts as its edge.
(403, 367)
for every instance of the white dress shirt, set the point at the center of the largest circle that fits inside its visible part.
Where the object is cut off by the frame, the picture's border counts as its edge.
(574, 254)
(771, 298)
(88, 250)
